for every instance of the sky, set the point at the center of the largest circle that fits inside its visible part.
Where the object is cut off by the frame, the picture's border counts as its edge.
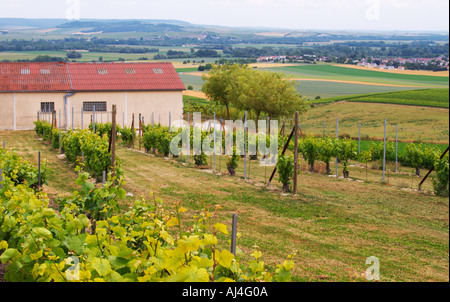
(378, 15)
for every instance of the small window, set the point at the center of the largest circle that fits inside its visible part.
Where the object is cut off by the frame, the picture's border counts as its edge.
(25, 71)
(45, 71)
(99, 106)
(47, 106)
(102, 71)
(158, 71)
(130, 71)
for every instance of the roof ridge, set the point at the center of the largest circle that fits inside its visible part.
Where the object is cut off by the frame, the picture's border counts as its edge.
(70, 78)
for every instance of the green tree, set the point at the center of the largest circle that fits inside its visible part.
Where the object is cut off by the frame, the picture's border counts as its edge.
(74, 55)
(282, 98)
(265, 92)
(253, 90)
(218, 84)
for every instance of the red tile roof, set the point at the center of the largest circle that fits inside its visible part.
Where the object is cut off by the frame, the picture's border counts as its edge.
(54, 77)
(34, 77)
(124, 77)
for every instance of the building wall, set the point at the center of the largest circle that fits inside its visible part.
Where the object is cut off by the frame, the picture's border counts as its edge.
(27, 106)
(6, 111)
(19, 110)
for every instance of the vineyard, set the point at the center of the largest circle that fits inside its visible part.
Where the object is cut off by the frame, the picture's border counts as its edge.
(87, 238)
(156, 139)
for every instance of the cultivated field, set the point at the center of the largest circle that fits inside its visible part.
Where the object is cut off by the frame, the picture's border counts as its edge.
(411, 72)
(326, 80)
(438, 98)
(330, 72)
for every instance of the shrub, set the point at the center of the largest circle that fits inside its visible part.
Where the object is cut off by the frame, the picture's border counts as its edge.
(346, 150)
(377, 150)
(285, 167)
(97, 157)
(43, 129)
(103, 129)
(55, 139)
(441, 180)
(310, 149)
(127, 136)
(233, 162)
(414, 155)
(158, 138)
(20, 171)
(200, 160)
(326, 151)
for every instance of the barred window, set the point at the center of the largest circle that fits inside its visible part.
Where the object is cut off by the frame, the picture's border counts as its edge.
(47, 106)
(99, 106)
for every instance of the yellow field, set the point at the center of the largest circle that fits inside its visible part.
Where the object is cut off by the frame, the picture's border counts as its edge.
(196, 73)
(197, 94)
(271, 65)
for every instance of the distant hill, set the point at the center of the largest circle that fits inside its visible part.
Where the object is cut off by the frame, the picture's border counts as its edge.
(114, 26)
(213, 33)
(6, 23)
(105, 25)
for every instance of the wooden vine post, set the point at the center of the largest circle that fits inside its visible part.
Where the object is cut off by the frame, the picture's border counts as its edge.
(296, 152)
(140, 130)
(133, 132)
(282, 153)
(234, 234)
(113, 140)
(299, 130)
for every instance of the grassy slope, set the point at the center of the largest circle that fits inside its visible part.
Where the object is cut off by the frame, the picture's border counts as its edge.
(415, 123)
(333, 224)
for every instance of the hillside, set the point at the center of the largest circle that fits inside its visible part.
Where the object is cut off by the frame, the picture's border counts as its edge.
(257, 35)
